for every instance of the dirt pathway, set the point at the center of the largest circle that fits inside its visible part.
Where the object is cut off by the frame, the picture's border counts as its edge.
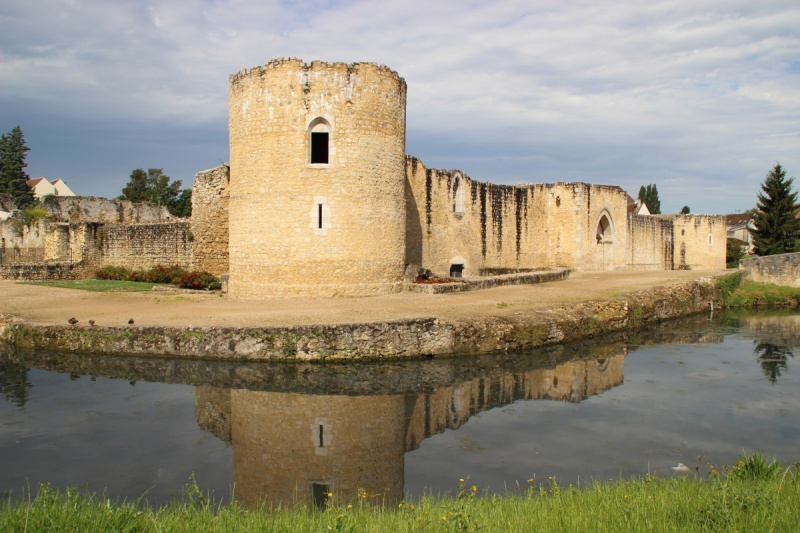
(46, 305)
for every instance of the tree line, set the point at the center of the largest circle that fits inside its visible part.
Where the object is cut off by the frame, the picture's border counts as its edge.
(151, 186)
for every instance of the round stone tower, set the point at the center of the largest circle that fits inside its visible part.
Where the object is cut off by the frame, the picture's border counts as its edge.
(317, 179)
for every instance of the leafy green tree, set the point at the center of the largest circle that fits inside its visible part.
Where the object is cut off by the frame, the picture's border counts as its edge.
(685, 210)
(649, 195)
(155, 187)
(183, 205)
(733, 252)
(13, 177)
(777, 226)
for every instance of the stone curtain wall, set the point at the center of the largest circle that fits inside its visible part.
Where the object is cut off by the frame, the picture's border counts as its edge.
(530, 226)
(91, 209)
(209, 222)
(781, 269)
(142, 246)
(699, 241)
(650, 244)
(276, 245)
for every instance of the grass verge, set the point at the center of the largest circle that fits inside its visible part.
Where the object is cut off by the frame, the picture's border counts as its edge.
(98, 285)
(753, 495)
(751, 294)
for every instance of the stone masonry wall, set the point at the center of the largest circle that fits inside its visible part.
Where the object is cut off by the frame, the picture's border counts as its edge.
(142, 246)
(327, 229)
(209, 222)
(781, 269)
(650, 244)
(699, 241)
(452, 219)
(91, 209)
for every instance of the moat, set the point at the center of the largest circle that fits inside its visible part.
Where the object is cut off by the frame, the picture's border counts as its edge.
(696, 391)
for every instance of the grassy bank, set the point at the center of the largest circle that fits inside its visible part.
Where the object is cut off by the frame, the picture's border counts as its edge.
(738, 294)
(99, 285)
(753, 495)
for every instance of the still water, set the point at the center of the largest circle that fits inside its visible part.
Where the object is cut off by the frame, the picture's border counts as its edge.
(699, 391)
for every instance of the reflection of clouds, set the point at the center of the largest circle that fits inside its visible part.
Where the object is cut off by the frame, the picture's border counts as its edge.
(677, 403)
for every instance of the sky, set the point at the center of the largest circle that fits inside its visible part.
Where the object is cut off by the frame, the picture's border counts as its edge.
(700, 98)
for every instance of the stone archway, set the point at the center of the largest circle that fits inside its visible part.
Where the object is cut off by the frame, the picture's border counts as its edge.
(605, 237)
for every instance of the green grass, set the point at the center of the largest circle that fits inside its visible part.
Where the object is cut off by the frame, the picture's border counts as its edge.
(753, 495)
(751, 294)
(98, 285)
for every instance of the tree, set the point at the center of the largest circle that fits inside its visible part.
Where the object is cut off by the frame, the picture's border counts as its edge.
(685, 210)
(154, 186)
(183, 206)
(777, 226)
(649, 195)
(13, 177)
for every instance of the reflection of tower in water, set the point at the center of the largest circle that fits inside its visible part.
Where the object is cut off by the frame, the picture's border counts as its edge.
(291, 447)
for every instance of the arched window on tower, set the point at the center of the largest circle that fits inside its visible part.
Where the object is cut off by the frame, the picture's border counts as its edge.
(319, 131)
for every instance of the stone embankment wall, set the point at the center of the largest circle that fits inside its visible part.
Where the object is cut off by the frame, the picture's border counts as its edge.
(781, 269)
(404, 338)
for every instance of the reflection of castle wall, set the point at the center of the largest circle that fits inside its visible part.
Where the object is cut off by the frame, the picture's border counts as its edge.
(287, 445)
(284, 443)
(451, 407)
(212, 406)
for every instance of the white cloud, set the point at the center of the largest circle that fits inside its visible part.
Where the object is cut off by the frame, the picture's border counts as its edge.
(702, 93)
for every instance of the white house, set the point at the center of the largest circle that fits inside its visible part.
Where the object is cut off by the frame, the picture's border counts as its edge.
(42, 187)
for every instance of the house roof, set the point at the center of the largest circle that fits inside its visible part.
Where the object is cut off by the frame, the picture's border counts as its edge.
(35, 181)
(738, 219)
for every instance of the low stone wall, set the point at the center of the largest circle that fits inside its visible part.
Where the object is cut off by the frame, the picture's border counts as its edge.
(394, 339)
(42, 271)
(781, 269)
(473, 284)
(143, 246)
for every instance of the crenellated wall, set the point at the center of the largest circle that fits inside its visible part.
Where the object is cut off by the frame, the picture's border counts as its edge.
(452, 219)
(699, 241)
(91, 209)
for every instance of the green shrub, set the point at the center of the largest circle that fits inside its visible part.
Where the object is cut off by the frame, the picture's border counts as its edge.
(728, 284)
